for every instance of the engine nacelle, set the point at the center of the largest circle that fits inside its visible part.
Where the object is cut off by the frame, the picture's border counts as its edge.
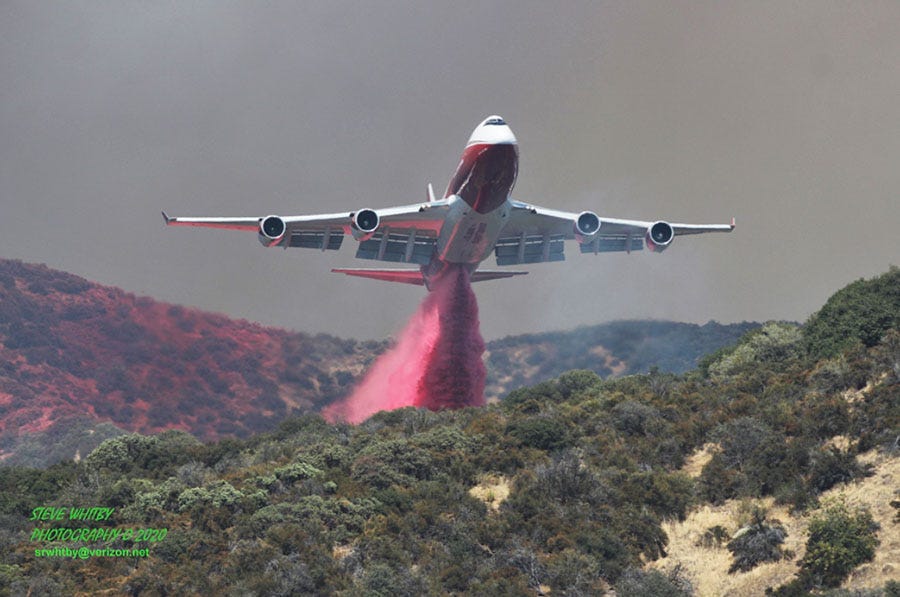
(271, 230)
(364, 223)
(587, 225)
(659, 236)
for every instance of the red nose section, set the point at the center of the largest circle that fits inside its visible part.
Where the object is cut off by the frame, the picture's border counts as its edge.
(486, 175)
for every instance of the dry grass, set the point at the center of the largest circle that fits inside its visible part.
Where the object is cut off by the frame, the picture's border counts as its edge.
(339, 552)
(694, 464)
(492, 490)
(707, 568)
(876, 493)
(616, 365)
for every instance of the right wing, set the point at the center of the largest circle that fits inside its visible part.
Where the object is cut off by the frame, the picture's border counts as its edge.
(535, 234)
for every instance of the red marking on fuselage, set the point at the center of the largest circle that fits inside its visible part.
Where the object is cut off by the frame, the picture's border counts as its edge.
(486, 175)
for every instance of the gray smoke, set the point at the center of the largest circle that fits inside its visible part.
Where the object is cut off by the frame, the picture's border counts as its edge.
(784, 115)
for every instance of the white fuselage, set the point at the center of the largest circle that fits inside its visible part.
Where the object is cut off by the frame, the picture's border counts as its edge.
(478, 194)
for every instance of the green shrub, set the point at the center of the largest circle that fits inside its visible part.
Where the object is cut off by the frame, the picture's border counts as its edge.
(752, 460)
(297, 471)
(154, 453)
(643, 583)
(773, 344)
(543, 433)
(637, 419)
(121, 454)
(578, 381)
(831, 467)
(840, 539)
(861, 312)
(757, 543)
(573, 573)
(9, 575)
(392, 462)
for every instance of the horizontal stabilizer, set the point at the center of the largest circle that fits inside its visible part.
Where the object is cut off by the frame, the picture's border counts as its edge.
(414, 276)
(407, 276)
(493, 274)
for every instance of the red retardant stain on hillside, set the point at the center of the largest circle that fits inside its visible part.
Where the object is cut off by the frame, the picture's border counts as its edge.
(436, 362)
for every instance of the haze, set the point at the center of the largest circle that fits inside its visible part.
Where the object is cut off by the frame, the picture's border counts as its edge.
(785, 115)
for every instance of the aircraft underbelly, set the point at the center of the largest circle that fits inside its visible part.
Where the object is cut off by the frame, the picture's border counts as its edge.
(468, 236)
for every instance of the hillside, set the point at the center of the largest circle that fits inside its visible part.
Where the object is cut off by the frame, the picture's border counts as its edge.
(71, 348)
(609, 350)
(80, 362)
(707, 565)
(575, 486)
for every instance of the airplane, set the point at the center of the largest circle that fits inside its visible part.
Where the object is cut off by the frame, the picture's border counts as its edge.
(475, 218)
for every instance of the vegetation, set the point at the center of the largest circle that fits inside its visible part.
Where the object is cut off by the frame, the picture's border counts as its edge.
(609, 349)
(756, 543)
(75, 355)
(840, 539)
(640, 583)
(859, 313)
(392, 506)
(71, 350)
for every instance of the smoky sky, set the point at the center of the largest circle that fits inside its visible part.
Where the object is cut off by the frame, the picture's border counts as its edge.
(784, 115)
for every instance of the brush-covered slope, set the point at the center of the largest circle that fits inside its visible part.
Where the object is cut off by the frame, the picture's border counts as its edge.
(80, 362)
(609, 349)
(71, 348)
(567, 487)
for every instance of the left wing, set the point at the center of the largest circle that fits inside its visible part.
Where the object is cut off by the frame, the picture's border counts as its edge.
(536, 234)
(399, 234)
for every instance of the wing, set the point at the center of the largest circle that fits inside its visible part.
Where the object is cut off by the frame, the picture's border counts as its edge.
(536, 234)
(401, 234)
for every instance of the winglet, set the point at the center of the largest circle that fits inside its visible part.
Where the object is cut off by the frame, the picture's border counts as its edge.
(732, 222)
(431, 197)
(166, 218)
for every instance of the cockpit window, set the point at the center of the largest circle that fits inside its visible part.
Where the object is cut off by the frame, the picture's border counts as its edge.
(491, 121)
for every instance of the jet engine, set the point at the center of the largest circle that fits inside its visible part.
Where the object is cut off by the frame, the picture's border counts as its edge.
(363, 224)
(271, 230)
(659, 236)
(587, 225)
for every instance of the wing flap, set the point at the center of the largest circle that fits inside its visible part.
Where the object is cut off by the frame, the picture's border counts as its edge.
(408, 245)
(613, 244)
(314, 239)
(530, 248)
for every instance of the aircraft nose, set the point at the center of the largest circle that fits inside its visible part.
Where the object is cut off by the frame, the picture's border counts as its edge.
(494, 130)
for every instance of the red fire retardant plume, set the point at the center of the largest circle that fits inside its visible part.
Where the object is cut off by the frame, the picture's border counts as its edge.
(436, 362)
